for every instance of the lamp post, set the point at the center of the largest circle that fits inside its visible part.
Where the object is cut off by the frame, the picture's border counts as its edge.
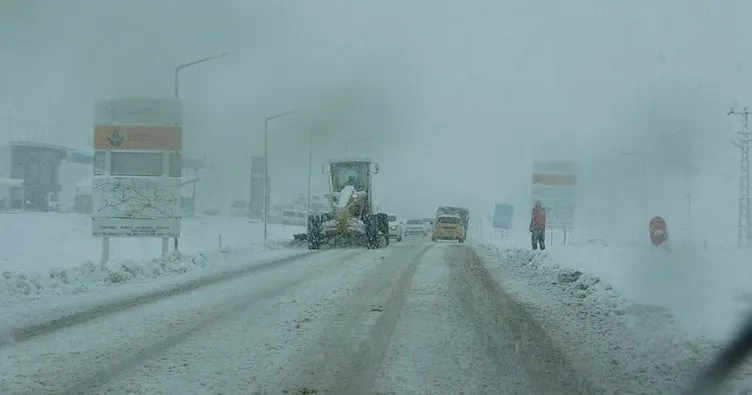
(266, 164)
(177, 96)
(186, 65)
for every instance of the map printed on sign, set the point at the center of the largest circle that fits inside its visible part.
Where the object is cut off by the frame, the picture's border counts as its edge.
(554, 185)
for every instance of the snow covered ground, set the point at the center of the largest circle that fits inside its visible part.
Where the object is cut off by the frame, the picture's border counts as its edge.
(640, 314)
(44, 254)
(400, 319)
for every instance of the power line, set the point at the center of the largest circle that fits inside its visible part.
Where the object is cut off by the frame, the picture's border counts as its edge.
(743, 142)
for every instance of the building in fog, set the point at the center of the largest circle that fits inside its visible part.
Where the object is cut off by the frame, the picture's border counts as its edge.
(30, 174)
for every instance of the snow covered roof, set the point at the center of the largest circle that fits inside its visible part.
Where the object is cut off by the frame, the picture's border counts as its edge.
(89, 151)
(38, 145)
(11, 181)
(350, 158)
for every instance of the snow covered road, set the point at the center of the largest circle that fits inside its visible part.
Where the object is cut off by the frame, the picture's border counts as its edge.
(414, 318)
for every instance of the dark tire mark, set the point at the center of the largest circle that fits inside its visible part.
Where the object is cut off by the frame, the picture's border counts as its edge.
(490, 307)
(80, 317)
(350, 365)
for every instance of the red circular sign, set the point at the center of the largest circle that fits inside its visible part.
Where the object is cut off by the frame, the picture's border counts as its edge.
(658, 231)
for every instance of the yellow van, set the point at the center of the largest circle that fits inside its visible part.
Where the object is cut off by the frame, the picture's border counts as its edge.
(448, 227)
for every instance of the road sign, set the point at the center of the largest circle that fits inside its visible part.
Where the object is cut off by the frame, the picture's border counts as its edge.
(554, 185)
(658, 231)
(503, 216)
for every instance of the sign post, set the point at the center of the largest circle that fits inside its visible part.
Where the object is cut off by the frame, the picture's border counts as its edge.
(554, 185)
(502, 219)
(137, 170)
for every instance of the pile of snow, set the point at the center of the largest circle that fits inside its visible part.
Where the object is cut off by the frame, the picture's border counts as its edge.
(66, 263)
(16, 286)
(625, 317)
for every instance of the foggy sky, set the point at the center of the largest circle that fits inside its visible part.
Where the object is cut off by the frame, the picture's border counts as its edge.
(456, 97)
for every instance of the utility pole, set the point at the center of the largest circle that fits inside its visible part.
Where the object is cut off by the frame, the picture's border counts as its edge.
(744, 238)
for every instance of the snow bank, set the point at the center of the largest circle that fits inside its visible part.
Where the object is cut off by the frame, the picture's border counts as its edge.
(708, 292)
(625, 317)
(88, 277)
(39, 242)
(69, 292)
(45, 254)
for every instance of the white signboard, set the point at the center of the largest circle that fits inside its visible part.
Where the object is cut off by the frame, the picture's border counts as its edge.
(136, 197)
(138, 112)
(114, 227)
(554, 185)
(137, 189)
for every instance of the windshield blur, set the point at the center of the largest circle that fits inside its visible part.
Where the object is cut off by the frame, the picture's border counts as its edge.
(177, 213)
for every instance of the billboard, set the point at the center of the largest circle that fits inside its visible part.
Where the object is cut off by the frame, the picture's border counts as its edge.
(554, 185)
(503, 216)
(137, 188)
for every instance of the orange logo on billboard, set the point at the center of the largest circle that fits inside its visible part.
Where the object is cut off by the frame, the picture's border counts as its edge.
(157, 138)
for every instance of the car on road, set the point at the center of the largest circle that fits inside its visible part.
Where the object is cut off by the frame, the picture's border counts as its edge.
(295, 217)
(396, 228)
(415, 227)
(449, 227)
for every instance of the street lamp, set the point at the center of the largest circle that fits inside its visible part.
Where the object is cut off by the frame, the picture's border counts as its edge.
(185, 65)
(644, 179)
(266, 163)
(177, 96)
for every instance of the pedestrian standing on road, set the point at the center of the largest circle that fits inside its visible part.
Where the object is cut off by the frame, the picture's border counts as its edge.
(538, 226)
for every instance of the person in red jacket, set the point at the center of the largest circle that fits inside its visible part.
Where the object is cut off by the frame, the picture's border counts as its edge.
(538, 226)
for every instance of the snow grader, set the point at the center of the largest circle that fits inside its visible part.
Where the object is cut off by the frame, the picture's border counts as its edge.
(351, 220)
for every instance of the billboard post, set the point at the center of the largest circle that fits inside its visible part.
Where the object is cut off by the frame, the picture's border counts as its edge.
(554, 185)
(137, 170)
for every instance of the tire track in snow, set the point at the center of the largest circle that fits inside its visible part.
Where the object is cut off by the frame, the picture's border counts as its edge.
(345, 359)
(35, 330)
(118, 359)
(436, 347)
(496, 313)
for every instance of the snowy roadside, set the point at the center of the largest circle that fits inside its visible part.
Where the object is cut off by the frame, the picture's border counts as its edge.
(628, 344)
(91, 285)
(52, 255)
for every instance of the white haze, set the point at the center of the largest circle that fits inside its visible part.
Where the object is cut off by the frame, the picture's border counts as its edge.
(456, 98)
